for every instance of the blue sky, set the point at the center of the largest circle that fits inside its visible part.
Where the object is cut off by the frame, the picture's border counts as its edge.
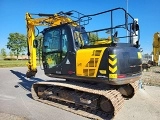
(12, 14)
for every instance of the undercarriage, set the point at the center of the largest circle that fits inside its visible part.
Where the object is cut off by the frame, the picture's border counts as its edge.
(95, 101)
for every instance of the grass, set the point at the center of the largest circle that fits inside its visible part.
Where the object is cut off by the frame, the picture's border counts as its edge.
(13, 63)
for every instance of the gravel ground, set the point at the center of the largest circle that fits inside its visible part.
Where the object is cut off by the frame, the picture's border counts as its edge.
(5, 116)
(151, 77)
(145, 105)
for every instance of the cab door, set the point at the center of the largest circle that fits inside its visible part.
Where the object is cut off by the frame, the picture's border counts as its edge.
(55, 46)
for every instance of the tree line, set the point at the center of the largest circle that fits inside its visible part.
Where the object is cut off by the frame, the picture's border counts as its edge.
(17, 44)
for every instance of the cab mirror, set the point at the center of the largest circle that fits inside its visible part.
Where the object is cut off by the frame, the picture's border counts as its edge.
(77, 44)
(135, 26)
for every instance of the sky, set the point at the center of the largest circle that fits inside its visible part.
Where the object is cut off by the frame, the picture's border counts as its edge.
(12, 15)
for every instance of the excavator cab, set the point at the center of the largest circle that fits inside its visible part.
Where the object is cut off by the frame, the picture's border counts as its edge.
(60, 44)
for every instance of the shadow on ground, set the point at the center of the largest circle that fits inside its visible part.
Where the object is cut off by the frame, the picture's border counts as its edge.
(157, 71)
(24, 82)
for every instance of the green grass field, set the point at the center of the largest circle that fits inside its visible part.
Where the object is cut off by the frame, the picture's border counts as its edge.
(14, 63)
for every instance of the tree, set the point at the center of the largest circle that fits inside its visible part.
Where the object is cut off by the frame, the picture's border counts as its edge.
(3, 52)
(39, 48)
(93, 37)
(17, 43)
(11, 55)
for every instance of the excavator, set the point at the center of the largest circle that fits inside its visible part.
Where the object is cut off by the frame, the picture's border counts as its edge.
(156, 52)
(156, 48)
(95, 74)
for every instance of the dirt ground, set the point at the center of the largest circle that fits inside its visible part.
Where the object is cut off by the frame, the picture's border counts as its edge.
(151, 77)
(5, 116)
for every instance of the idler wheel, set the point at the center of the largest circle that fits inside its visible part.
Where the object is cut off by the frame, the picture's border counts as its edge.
(106, 105)
(126, 91)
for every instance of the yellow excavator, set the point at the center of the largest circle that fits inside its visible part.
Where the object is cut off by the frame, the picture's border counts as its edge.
(98, 72)
(156, 48)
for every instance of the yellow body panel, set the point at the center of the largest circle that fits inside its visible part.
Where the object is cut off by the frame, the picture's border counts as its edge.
(103, 72)
(113, 76)
(88, 61)
(113, 70)
(112, 66)
(139, 55)
(113, 62)
(107, 41)
(112, 56)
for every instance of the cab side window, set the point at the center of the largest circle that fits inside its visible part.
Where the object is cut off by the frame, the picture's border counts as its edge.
(64, 43)
(78, 39)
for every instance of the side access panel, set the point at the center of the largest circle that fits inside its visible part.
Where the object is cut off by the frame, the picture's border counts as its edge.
(88, 61)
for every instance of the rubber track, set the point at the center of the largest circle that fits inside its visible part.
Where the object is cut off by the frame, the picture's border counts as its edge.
(113, 95)
(135, 86)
